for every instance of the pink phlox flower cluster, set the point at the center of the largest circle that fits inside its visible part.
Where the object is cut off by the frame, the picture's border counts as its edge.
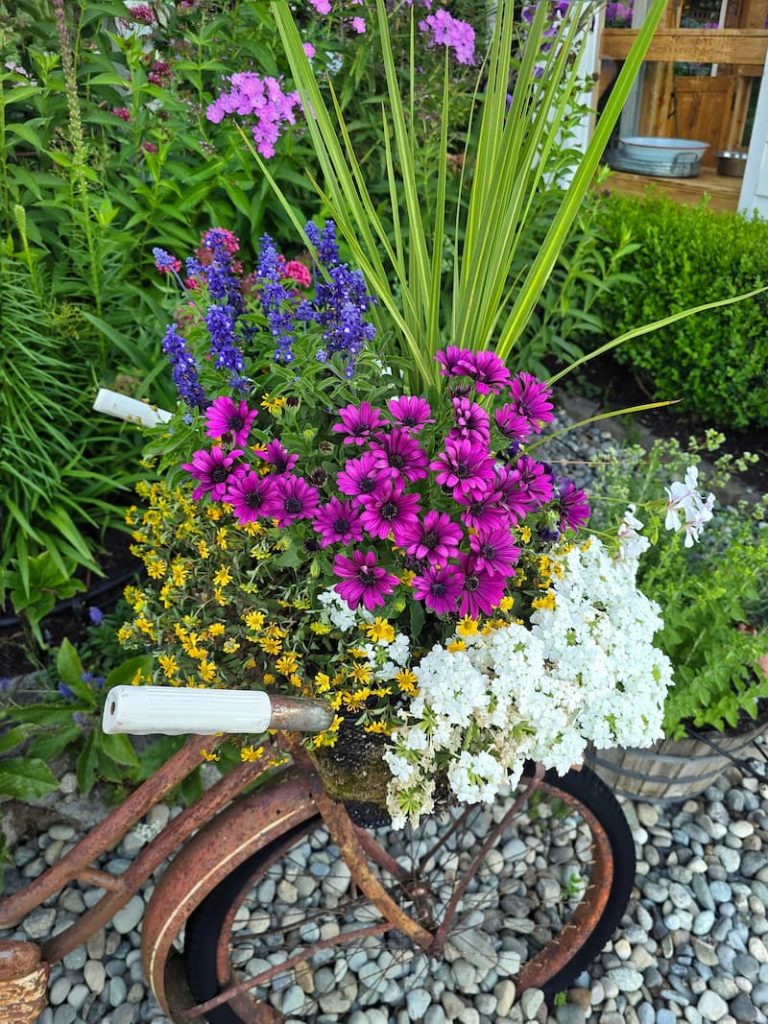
(309, 50)
(358, 25)
(321, 6)
(295, 271)
(160, 73)
(457, 35)
(142, 13)
(260, 98)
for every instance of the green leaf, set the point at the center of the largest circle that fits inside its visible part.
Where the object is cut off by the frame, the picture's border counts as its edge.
(14, 737)
(26, 778)
(87, 763)
(125, 673)
(51, 744)
(117, 747)
(68, 664)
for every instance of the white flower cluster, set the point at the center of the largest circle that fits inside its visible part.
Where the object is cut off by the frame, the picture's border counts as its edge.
(585, 670)
(388, 657)
(338, 612)
(687, 509)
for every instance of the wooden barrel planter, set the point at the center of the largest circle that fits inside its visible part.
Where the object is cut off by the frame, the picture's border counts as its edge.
(674, 769)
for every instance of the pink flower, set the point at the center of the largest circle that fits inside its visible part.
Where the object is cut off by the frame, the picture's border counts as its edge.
(451, 32)
(122, 112)
(494, 552)
(214, 470)
(363, 580)
(535, 480)
(514, 426)
(400, 455)
(249, 495)
(411, 412)
(309, 50)
(149, 147)
(572, 505)
(531, 399)
(321, 6)
(277, 456)
(292, 498)
(472, 423)
(487, 371)
(463, 466)
(437, 538)
(358, 24)
(297, 272)
(480, 592)
(338, 522)
(360, 476)
(439, 588)
(360, 422)
(390, 510)
(484, 508)
(223, 416)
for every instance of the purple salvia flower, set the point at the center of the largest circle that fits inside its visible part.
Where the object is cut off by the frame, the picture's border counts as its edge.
(226, 355)
(274, 295)
(183, 368)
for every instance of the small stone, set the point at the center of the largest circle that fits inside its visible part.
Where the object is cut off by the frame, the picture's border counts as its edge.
(741, 829)
(641, 958)
(570, 1014)
(59, 991)
(665, 1016)
(95, 975)
(435, 1015)
(68, 783)
(39, 923)
(287, 892)
(454, 1006)
(647, 815)
(96, 944)
(532, 1000)
(704, 953)
(627, 978)
(417, 1002)
(64, 1014)
(117, 991)
(77, 996)
(729, 858)
(124, 1015)
(505, 996)
(75, 960)
(753, 862)
(758, 949)
(711, 1006)
(127, 919)
(622, 949)
(293, 999)
(703, 922)
(62, 832)
(743, 1009)
(581, 997)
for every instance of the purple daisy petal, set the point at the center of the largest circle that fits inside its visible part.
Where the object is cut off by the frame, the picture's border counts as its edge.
(291, 499)
(362, 580)
(399, 455)
(249, 495)
(471, 422)
(338, 522)
(411, 412)
(360, 476)
(223, 416)
(435, 538)
(485, 509)
(488, 372)
(494, 552)
(439, 588)
(360, 423)
(531, 400)
(214, 470)
(277, 456)
(480, 591)
(512, 424)
(573, 506)
(390, 510)
(463, 466)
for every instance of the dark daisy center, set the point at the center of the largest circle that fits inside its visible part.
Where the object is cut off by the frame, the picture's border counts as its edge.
(236, 423)
(477, 508)
(463, 471)
(292, 506)
(429, 540)
(254, 499)
(341, 525)
(366, 484)
(388, 510)
(438, 589)
(220, 474)
(488, 551)
(409, 421)
(280, 464)
(471, 583)
(366, 575)
(396, 461)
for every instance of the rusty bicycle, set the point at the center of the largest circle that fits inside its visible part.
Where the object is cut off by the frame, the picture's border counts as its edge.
(277, 906)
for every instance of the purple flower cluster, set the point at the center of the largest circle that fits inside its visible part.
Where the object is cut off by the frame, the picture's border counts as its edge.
(220, 321)
(461, 555)
(619, 15)
(445, 30)
(276, 300)
(184, 369)
(260, 98)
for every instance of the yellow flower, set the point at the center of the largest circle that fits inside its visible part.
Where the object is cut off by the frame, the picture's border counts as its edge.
(322, 683)
(357, 652)
(207, 755)
(143, 624)
(288, 663)
(274, 406)
(467, 626)
(380, 630)
(202, 549)
(221, 597)
(329, 737)
(506, 603)
(231, 645)
(276, 631)
(250, 529)
(268, 678)
(165, 596)
(221, 538)
(407, 577)
(360, 673)
(157, 568)
(251, 753)
(207, 670)
(213, 513)
(587, 544)
(168, 664)
(216, 629)
(254, 621)
(547, 601)
(525, 534)
(456, 645)
(295, 680)
(379, 727)
(406, 680)
(179, 572)
(321, 628)
(270, 644)
(222, 576)
(138, 678)
(125, 633)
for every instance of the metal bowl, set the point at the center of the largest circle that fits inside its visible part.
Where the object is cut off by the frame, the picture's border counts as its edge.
(653, 149)
(731, 162)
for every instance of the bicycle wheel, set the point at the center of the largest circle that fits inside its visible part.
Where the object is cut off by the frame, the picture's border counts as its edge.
(546, 898)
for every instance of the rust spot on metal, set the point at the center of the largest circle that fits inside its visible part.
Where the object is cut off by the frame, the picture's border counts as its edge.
(23, 999)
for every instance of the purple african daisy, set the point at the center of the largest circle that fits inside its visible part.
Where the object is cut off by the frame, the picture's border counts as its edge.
(390, 509)
(573, 506)
(363, 580)
(463, 466)
(488, 372)
(338, 522)
(291, 499)
(360, 476)
(439, 588)
(494, 552)
(213, 469)
(360, 422)
(484, 508)
(411, 412)
(453, 361)
(224, 416)
(512, 424)
(436, 538)
(515, 497)
(535, 479)
(399, 455)
(277, 456)
(480, 591)
(472, 423)
(531, 399)
(249, 496)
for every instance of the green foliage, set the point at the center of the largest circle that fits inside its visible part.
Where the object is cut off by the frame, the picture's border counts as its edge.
(714, 362)
(707, 593)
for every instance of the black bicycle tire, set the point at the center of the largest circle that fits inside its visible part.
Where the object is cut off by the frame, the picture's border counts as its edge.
(204, 924)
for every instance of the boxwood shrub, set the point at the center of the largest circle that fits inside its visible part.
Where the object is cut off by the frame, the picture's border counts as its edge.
(715, 361)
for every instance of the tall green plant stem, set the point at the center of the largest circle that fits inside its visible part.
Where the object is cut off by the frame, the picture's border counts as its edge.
(77, 142)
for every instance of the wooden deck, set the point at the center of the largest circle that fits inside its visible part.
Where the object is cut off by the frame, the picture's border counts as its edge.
(723, 192)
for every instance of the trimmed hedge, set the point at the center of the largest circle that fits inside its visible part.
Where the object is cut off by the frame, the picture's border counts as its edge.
(716, 362)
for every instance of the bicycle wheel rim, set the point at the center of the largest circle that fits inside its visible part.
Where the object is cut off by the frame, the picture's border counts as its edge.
(589, 924)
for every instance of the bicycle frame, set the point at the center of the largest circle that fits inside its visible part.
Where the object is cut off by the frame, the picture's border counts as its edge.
(24, 967)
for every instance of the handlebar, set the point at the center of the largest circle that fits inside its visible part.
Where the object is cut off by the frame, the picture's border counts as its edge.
(145, 710)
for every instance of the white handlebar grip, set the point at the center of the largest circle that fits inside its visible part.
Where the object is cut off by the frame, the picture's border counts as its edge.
(122, 407)
(171, 711)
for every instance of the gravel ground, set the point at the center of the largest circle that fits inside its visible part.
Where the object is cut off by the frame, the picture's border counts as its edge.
(693, 945)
